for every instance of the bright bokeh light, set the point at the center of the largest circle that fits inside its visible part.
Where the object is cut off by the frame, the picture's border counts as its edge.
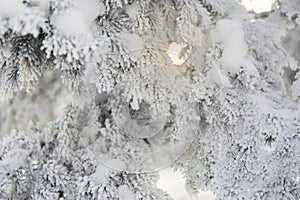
(175, 51)
(258, 6)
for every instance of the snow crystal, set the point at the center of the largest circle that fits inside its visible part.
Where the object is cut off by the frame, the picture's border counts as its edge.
(90, 9)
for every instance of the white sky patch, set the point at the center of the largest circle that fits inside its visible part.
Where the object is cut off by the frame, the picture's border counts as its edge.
(258, 6)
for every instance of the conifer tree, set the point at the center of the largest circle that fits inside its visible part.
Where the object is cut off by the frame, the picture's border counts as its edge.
(98, 95)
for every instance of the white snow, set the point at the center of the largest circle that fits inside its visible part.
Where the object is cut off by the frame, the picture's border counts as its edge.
(78, 19)
(218, 77)
(133, 10)
(43, 6)
(101, 174)
(14, 158)
(132, 41)
(231, 37)
(72, 22)
(115, 164)
(125, 193)
(9, 8)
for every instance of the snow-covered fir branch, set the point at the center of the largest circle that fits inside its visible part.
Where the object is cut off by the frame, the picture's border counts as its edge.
(98, 95)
